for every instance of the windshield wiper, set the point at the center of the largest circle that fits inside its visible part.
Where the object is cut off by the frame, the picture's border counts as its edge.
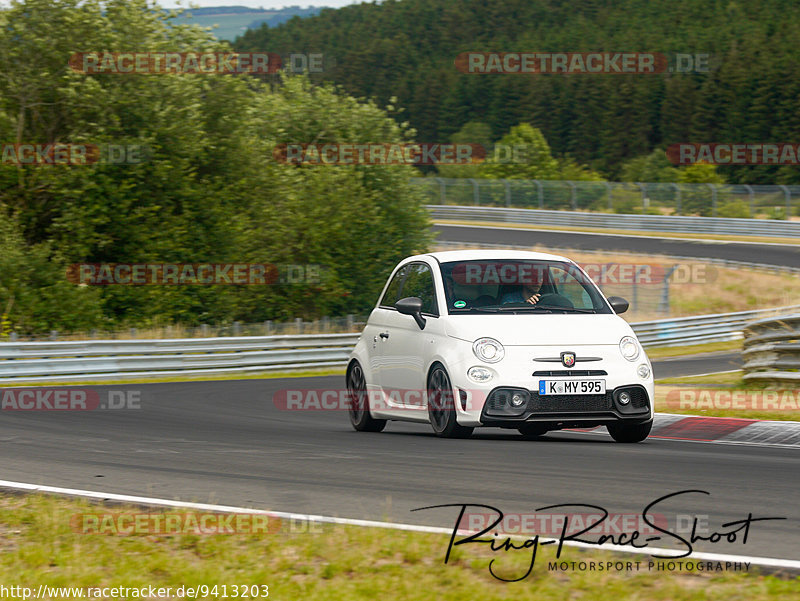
(550, 308)
(573, 309)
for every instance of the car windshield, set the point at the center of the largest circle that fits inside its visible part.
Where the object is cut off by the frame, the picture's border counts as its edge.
(519, 286)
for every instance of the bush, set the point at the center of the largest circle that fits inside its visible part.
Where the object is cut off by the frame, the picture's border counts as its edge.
(734, 208)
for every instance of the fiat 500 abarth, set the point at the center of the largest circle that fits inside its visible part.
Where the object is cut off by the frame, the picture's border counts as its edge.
(510, 339)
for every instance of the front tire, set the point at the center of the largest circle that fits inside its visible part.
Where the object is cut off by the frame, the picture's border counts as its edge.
(629, 433)
(359, 404)
(442, 406)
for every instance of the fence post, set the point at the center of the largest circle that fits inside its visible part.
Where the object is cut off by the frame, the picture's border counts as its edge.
(574, 196)
(610, 201)
(677, 198)
(663, 305)
(442, 190)
(788, 196)
(713, 199)
(475, 191)
(643, 188)
(752, 203)
(541, 193)
(508, 192)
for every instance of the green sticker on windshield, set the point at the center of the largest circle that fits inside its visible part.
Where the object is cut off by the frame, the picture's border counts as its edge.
(460, 304)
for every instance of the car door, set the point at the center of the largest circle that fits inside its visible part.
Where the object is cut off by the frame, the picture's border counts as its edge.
(407, 348)
(377, 335)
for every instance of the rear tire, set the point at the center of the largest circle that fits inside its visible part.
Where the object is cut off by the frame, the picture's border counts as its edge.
(358, 410)
(442, 406)
(532, 431)
(630, 433)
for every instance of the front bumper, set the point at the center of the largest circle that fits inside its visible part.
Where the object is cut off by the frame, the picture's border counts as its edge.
(564, 411)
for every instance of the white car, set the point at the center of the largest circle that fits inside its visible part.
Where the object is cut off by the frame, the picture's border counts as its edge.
(512, 339)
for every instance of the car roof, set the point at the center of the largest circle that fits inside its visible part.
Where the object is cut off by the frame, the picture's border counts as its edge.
(492, 254)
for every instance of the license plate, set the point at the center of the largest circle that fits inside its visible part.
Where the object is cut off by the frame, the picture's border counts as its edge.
(555, 387)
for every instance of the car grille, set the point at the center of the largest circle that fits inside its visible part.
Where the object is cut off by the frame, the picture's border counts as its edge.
(571, 372)
(638, 397)
(567, 404)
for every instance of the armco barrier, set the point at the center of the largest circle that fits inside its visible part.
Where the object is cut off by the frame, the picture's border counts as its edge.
(772, 350)
(648, 223)
(114, 359)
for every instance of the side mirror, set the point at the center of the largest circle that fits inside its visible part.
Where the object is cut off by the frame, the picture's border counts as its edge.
(412, 306)
(619, 304)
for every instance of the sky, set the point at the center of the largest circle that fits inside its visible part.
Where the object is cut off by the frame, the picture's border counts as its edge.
(250, 3)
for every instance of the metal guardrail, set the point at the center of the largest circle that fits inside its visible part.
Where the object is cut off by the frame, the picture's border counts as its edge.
(718, 327)
(114, 359)
(649, 223)
(642, 198)
(772, 350)
(104, 359)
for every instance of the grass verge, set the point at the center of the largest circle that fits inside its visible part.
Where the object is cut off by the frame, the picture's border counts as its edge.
(596, 230)
(666, 352)
(40, 547)
(725, 395)
(154, 379)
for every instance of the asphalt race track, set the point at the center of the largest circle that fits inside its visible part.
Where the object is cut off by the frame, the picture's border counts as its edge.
(225, 442)
(769, 254)
(695, 365)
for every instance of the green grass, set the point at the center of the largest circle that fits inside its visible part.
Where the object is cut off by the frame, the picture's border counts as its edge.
(719, 384)
(665, 352)
(309, 373)
(338, 563)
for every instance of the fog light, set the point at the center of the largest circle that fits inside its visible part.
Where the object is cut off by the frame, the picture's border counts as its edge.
(644, 371)
(517, 400)
(479, 374)
(624, 398)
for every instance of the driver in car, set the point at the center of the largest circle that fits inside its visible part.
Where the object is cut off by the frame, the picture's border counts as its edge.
(526, 293)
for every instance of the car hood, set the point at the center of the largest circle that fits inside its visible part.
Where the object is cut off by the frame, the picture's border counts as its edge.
(540, 330)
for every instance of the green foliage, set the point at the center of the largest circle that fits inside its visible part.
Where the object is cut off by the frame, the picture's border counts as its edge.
(651, 168)
(523, 153)
(210, 190)
(734, 208)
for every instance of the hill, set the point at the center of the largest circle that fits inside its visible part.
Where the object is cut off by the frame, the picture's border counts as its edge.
(232, 21)
(406, 49)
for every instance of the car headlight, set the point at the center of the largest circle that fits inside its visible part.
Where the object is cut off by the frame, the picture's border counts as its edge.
(644, 371)
(488, 350)
(629, 348)
(480, 374)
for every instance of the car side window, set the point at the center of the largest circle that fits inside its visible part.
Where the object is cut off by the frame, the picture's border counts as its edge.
(419, 283)
(392, 294)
